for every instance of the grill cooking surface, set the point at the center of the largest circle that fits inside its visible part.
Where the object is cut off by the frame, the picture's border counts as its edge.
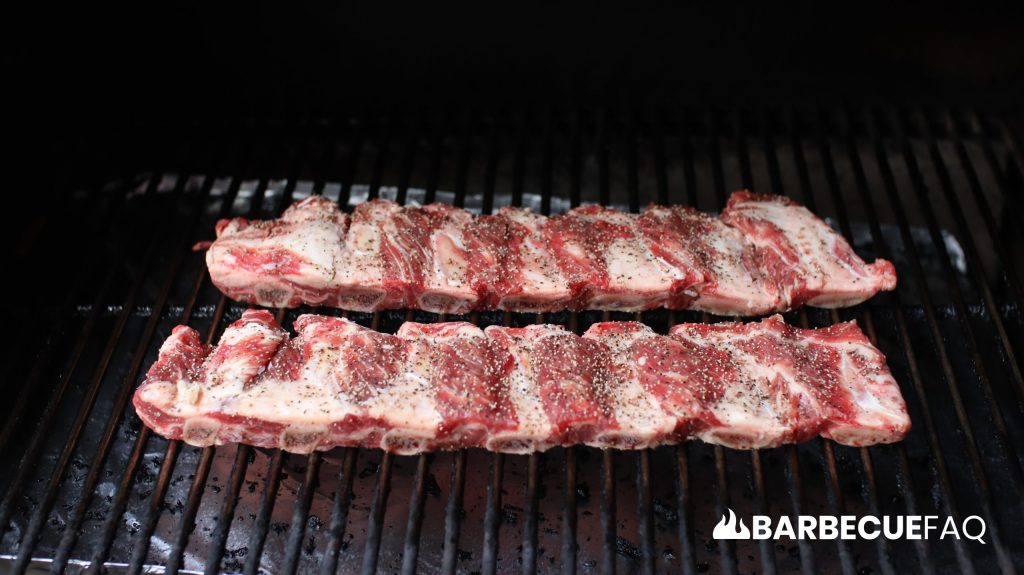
(936, 193)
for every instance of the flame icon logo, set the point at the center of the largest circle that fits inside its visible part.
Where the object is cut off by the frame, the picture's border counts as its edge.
(727, 529)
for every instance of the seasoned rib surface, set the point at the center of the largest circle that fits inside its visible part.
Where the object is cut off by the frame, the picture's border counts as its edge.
(452, 385)
(764, 254)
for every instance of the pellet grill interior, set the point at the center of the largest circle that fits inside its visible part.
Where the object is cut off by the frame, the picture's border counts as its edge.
(87, 487)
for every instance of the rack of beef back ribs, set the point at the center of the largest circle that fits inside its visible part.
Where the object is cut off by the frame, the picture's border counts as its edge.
(86, 483)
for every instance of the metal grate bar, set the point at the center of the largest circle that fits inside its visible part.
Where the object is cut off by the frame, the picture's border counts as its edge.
(726, 547)
(258, 537)
(408, 158)
(530, 514)
(300, 510)
(604, 196)
(632, 163)
(492, 517)
(339, 513)
(372, 547)
(436, 152)
(687, 156)
(941, 476)
(519, 159)
(768, 124)
(660, 161)
(766, 548)
(686, 524)
(834, 493)
(575, 159)
(355, 150)
(139, 551)
(380, 161)
(188, 519)
(491, 169)
(717, 169)
(645, 510)
(452, 520)
(806, 549)
(685, 504)
(608, 542)
(608, 510)
(415, 521)
(547, 162)
(219, 537)
(569, 517)
(797, 496)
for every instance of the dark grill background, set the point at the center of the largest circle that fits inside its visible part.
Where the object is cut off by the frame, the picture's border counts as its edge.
(937, 191)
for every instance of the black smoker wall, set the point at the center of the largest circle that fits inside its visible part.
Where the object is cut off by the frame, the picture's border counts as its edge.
(109, 67)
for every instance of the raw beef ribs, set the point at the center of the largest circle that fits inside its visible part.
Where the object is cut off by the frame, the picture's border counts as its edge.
(452, 385)
(764, 254)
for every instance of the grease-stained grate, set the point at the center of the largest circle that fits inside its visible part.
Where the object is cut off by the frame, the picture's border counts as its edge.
(87, 487)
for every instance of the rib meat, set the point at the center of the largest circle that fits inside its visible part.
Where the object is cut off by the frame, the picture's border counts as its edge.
(452, 385)
(285, 262)
(808, 261)
(764, 254)
(718, 268)
(606, 261)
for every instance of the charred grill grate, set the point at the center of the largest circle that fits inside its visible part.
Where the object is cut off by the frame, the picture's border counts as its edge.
(84, 485)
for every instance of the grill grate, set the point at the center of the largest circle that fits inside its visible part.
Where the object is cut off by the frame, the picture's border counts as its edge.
(86, 485)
